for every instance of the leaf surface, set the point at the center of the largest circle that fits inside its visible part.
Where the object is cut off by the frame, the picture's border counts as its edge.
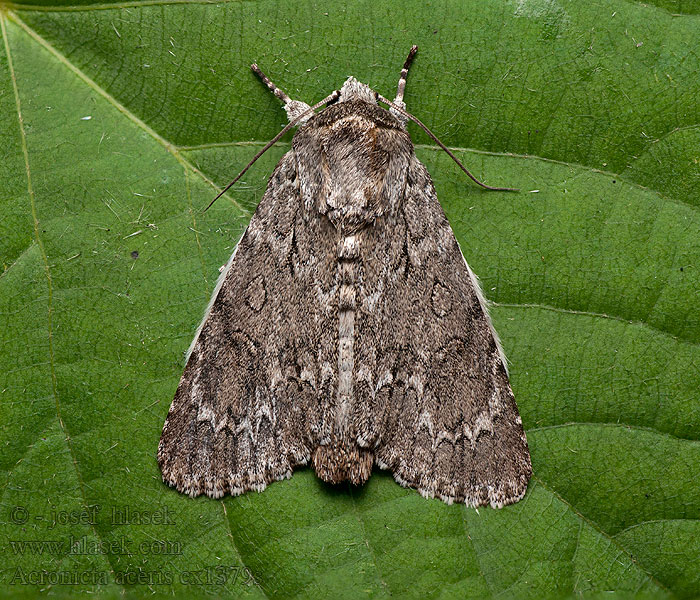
(119, 123)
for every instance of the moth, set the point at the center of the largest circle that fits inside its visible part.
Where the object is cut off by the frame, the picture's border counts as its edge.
(347, 330)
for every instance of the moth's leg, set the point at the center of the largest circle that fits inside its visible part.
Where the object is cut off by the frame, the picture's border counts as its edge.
(402, 78)
(293, 108)
(272, 87)
(398, 101)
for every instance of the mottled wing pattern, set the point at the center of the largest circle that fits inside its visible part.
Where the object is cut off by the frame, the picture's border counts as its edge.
(256, 393)
(433, 398)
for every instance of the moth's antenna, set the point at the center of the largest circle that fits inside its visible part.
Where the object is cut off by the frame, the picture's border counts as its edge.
(330, 98)
(408, 115)
(404, 74)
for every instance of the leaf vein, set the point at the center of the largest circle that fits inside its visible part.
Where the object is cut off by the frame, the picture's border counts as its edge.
(586, 313)
(171, 148)
(47, 271)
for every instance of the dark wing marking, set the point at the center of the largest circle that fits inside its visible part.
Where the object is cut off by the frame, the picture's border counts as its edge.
(433, 397)
(265, 350)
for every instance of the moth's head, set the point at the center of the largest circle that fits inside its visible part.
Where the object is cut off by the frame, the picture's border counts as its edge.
(354, 90)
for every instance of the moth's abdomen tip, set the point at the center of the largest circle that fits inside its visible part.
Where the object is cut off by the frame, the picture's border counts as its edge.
(336, 463)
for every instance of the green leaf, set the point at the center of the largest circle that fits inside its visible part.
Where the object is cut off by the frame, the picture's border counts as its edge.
(120, 121)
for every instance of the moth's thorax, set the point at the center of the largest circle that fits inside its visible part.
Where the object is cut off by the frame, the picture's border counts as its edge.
(347, 159)
(358, 107)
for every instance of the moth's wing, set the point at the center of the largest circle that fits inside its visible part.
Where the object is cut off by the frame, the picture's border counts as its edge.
(433, 396)
(236, 422)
